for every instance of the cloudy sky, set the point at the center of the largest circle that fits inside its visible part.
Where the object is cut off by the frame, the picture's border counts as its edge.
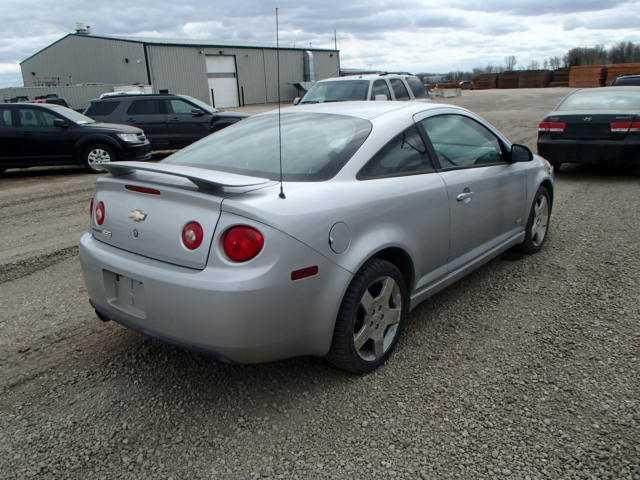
(418, 36)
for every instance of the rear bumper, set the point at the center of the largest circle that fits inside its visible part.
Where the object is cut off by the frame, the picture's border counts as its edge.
(258, 315)
(584, 151)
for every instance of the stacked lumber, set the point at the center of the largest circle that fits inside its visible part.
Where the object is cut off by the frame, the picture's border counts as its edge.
(560, 78)
(485, 81)
(534, 79)
(587, 76)
(445, 85)
(508, 79)
(618, 69)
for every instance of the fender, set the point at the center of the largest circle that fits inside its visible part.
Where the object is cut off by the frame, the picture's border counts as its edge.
(84, 141)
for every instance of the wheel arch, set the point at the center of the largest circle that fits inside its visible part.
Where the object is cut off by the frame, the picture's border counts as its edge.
(548, 185)
(84, 142)
(399, 257)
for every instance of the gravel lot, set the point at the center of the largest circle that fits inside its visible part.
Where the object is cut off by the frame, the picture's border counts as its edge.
(529, 368)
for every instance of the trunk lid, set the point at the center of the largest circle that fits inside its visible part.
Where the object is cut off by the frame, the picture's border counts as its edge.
(150, 223)
(589, 126)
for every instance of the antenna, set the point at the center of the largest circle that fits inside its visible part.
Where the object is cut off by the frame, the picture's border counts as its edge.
(279, 119)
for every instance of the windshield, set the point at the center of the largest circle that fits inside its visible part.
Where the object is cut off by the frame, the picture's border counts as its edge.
(204, 106)
(606, 99)
(627, 81)
(315, 146)
(69, 114)
(337, 91)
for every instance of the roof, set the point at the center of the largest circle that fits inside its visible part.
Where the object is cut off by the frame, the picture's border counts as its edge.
(366, 76)
(366, 109)
(183, 43)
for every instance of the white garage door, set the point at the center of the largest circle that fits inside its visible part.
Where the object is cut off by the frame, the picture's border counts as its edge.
(223, 86)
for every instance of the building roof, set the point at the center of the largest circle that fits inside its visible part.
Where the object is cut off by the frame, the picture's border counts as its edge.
(183, 43)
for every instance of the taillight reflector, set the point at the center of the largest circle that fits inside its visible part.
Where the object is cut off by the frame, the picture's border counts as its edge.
(242, 243)
(304, 273)
(139, 189)
(192, 235)
(552, 127)
(625, 126)
(101, 213)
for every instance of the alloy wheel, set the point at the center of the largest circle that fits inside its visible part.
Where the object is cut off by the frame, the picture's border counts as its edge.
(377, 319)
(98, 157)
(540, 220)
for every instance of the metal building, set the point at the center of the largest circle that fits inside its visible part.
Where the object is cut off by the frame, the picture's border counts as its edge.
(226, 75)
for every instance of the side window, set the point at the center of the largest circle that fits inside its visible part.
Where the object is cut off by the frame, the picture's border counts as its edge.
(460, 142)
(380, 88)
(35, 118)
(180, 107)
(6, 119)
(417, 87)
(145, 107)
(399, 89)
(404, 155)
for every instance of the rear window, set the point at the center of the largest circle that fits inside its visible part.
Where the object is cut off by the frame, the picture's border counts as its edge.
(145, 107)
(101, 108)
(605, 99)
(416, 87)
(337, 91)
(627, 81)
(315, 146)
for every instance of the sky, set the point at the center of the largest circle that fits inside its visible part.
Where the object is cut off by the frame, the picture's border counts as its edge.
(416, 36)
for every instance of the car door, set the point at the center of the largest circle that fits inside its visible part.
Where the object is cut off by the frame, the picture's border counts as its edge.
(9, 138)
(149, 114)
(486, 193)
(41, 140)
(410, 196)
(184, 125)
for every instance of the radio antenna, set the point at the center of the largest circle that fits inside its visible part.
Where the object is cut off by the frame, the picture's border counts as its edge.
(279, 118)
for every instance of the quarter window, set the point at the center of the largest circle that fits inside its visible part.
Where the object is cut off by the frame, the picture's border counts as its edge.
(145, 107)
(399, 89)
(6, 120)
(417, 87)
(461, 142)
(380, 87)
(100, 109)
(404, 155)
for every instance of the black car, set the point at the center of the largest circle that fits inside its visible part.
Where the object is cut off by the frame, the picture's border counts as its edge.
(591, 126)
(169, 121)
(626, 81)
(48, 134)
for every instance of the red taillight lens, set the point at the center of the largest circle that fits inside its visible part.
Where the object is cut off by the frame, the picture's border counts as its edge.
(101, 213)
(192, 235)
(242, 243)
(625, 126)
(552, 127)
(139, 189)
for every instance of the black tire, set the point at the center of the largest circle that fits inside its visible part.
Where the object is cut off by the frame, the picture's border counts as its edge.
(556, 164)
(86, 159)
(343, 353)
(531, 243)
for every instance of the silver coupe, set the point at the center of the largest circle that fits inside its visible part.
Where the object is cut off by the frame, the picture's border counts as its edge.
(382, 205)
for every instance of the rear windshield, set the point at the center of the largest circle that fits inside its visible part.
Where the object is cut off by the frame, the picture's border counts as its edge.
(315, 146)
(337, 91)
(417, 87)
(606, 99)
(100, 109)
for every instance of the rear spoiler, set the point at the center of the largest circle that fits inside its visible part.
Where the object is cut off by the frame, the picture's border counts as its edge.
(203, 178)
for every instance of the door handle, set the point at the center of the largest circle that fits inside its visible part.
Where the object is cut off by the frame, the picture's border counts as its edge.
(465, 196)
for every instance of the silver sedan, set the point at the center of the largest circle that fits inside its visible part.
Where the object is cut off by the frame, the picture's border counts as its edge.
(382, 204)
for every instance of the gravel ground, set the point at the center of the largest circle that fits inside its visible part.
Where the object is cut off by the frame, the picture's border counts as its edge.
(529, 368)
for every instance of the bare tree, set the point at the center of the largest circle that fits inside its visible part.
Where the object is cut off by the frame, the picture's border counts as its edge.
(510, 62)
(533, 65)
(555, 62)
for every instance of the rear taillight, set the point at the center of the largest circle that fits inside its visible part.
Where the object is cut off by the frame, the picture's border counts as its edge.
(101, 213)
(551, 127)
(192, 235)
(625, 126)
(139, 189)
(242, 243)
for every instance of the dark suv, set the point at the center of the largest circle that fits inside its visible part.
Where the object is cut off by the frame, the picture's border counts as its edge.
(169, 121)
(48, 134)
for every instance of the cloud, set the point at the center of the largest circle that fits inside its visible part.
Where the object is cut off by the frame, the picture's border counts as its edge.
(610, 22)
(536, 7)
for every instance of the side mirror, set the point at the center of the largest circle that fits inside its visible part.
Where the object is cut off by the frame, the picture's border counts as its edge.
(520, 153)
(196, 112)
(380, 98)
(296, 100)
(60, 123)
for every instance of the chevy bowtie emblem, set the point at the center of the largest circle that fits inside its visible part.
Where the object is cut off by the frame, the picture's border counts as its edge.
(137, 215)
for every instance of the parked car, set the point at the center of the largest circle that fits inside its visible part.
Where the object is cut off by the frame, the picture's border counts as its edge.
(591, 126)
(51, 99)
(169, 121)
(466, 85)
(383, 205)
(626, 81)
(47, 134)
(386, 86)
